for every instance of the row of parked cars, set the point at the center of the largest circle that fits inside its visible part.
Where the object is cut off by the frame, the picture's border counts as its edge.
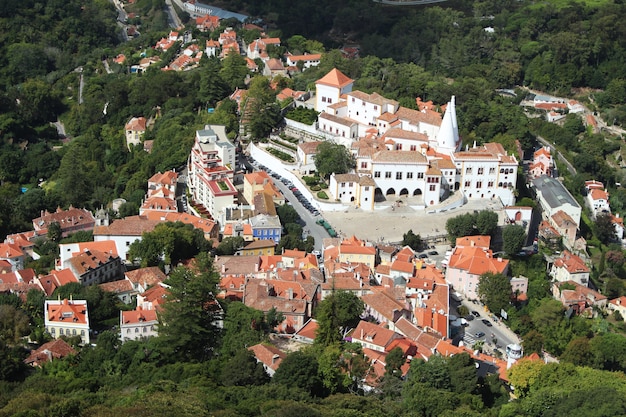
(304, 201)
(297, 193)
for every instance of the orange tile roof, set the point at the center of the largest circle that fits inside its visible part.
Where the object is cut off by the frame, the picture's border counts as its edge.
(335, 78)
(119, 286)
(572, 263)
(138, 316)
(90, 260)
(104, 246)
(478, 241)
(155, 295)
(260, 244)
(384, 304)
(374, 334)
(146, 276)
(403, 266)
(309, 330)
(477, 261)
(431, 272)
(294, 253)
(75, 311)
(599, 195)
(269, 355)
(421, 283)
(55, 349)
(10, 251)
(269, 262)
(129, 226)
(357, 250)
(137, 124)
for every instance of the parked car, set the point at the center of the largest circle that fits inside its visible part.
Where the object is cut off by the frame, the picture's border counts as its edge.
(433, 252)
(423, 256)
(475, 313)
(478, 335)
(469, 317)
(487, 322)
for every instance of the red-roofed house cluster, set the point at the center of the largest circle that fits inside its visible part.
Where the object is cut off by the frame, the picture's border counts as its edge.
(161, 194)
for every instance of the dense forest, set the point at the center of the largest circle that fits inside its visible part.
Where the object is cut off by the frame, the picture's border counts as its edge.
(460, 47)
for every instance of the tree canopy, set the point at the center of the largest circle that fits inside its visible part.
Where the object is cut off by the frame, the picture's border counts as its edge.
(332, 158)
(495, 291)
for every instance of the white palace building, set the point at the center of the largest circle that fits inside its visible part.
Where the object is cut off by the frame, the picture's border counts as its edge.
(407, 152)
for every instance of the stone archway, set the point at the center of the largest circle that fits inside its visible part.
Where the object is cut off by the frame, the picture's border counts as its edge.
(404, 192)
(390, 191)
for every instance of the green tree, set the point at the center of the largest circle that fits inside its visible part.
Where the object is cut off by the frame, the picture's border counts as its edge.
(14, 324)
(230, 245)
(168, 243)
(578, 352)
(243, 327)
(486, 222)
(514, 237)
(287, 214)
(394, 361)
(243, 369)
(523, 376)
(331, 372)
(533, 342)
(336, 315)
(604, 229)
(463, 377)
(460, 226)
(412, 240)
(234, 71)
(333, 158)
(494, 291)
(212, 86)
(609, 352)
(261, 110)
(188, 324)
(300, 369)
(54, 232)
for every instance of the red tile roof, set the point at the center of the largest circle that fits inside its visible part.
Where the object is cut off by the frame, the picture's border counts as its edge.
(138, 316)
(374, 334)
(477, 261)
(67, 310)
(146, 276)
(55, 349)
(129, 226)
(268, 355)
(335, 78)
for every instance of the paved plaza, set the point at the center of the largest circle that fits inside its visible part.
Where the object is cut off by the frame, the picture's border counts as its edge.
(390, 223)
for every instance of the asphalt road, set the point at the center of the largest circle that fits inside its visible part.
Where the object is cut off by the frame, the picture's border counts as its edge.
(501, 333)
(308, 223)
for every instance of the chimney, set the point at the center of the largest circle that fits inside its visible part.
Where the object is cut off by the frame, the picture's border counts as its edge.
(275, 357)
(290, 294)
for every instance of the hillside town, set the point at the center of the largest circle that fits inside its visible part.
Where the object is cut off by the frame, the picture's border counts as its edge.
(437, 242)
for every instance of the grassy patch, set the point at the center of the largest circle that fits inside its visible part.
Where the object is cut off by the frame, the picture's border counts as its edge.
(560, 4)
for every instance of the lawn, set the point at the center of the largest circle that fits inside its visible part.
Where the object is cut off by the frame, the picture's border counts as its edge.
(560, 4)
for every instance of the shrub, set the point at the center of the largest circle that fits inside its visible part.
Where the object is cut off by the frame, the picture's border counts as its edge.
(310, 181)
(315, 188)
(322, 195)
(323, 185)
